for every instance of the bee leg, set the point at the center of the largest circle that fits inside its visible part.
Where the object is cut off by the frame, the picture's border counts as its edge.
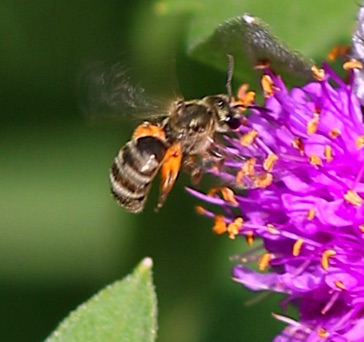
(170, 168)
(193, 169)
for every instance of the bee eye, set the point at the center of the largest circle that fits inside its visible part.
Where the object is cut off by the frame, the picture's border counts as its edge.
(233, 123)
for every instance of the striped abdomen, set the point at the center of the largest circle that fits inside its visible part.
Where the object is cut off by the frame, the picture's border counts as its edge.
(134, 169)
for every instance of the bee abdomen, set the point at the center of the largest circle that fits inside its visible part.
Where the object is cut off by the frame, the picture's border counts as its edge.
(133, 170)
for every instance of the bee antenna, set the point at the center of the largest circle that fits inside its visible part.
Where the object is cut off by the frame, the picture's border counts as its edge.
(230, 71)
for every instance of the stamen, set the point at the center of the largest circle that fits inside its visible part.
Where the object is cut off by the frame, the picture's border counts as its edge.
(322, 333)
(319, 74)
(353, 198)
(334, 133)
(297, 247)
(330, 303)
(264, 180)
(339, 284)
(200, 210)
(361, 227)
(227, 194)
(245, 97)
(248, 138)
(326, 255)
(359, 142)
(298, 145)
(272, 230)
(311, 214)
(312, 124)
(264, 261)
(249, 238)
(352, 64)
(328, 153)
(338, 51)
(269, 162)
(267, 85)
(234, 227)
(220, 225)
(315, 160)
(247, 170)
(249, 167)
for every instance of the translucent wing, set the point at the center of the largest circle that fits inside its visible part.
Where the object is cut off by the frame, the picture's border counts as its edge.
(107, 90)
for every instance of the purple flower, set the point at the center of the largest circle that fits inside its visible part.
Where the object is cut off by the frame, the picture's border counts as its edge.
(298, 167)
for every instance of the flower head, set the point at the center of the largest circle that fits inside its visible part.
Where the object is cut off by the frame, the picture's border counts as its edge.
(299, 162)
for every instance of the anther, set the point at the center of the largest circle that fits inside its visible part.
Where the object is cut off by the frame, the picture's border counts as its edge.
(352, 64)
(227, 194)
(328, 153)
(269, 162)
(297, 247)
(220, 225)
(319, 74)
(315, 160)
(234, 227)
(249, 238)
(359, 142)
(267, 85)
(353, 198)
(334, 133)
(311, 214)
(339, 284)
(297, 143)
(264, 261)
(248, 138)
(312, 125)
(326, 255)
(200, 209)
(264, 180)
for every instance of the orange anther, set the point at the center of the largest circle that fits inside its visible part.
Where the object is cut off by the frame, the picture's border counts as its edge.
(297, 143)
(339, 284)
(326, 255)
(352, 64)
(267, 85)
(328, 153)
(297, 247)
(319, 74)
(272, 230)
(264, 261)
(248, 138)
(353, 198)
(200, 210)
(249, 238)
(269, 162)
(334, 133)
(315, 160)
(227, 194)
(312, 125)
(322, 333)
(359, 142)
(234, 227)
(220, 225)
(311, 214)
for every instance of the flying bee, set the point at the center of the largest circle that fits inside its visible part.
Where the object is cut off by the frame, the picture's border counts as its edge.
(188, 130)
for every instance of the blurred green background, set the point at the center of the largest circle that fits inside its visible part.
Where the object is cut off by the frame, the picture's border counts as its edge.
(62, 237)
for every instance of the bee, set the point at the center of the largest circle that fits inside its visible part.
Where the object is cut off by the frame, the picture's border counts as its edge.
(188, 130)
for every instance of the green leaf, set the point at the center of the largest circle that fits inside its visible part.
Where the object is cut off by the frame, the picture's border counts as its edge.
(123, 311)
(250, 39)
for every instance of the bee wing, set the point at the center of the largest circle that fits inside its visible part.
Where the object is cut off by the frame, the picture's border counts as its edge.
(107, 90)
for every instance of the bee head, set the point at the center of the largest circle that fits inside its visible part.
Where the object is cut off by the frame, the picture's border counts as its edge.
(227, 117)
